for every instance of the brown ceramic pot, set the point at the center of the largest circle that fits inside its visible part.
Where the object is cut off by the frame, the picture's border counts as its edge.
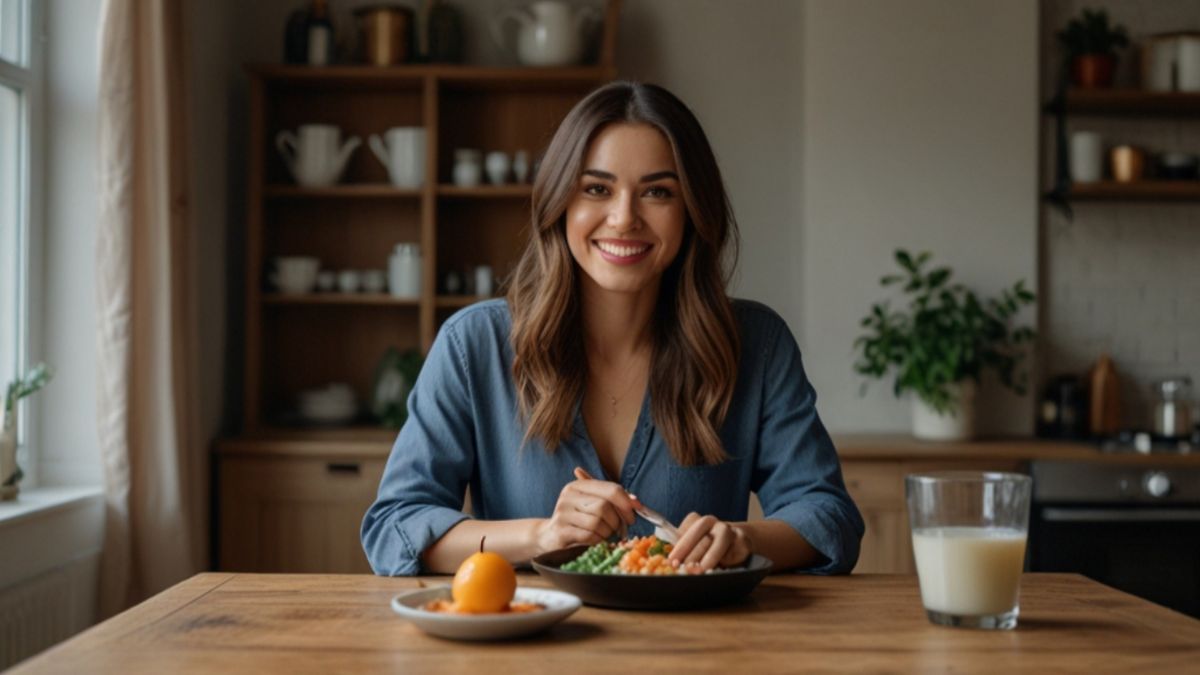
(1093, 71)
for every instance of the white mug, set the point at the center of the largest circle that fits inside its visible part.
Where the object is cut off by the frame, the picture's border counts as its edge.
(402, 151)
(1087, 157)
(295, 274)
(315, 154)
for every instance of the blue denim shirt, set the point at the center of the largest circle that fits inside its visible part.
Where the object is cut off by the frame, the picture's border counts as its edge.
(464, 430)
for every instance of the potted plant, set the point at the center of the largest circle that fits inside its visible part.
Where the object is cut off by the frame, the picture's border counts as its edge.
(10, 471)
(1091, 45)
(941, 343)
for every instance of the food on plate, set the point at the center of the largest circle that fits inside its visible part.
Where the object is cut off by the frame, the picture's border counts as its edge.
(484, 584)
(638, 555)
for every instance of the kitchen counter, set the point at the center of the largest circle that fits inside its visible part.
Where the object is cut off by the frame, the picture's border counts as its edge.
(903, 447)
(241, 623)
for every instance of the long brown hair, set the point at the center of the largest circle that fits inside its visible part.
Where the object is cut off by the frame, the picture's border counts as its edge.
(695, 350)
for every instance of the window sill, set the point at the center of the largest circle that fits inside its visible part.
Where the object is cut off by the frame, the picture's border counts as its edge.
(48, 527)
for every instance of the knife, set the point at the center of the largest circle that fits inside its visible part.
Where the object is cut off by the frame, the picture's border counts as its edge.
(663, 529)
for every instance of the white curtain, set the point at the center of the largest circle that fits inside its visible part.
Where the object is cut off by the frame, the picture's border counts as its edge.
(155, 467)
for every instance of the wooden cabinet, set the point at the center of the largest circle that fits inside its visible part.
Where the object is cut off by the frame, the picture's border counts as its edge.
(291, 496)
(877, 487)
(292, 514)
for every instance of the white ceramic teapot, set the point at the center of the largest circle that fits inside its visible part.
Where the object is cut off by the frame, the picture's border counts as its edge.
(550, 32)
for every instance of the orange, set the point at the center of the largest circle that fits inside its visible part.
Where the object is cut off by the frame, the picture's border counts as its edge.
(484, 583)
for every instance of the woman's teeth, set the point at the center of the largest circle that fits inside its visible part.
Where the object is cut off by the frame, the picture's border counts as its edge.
(621, 251)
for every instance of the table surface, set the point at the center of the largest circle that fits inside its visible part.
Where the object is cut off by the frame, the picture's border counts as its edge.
(267, 623)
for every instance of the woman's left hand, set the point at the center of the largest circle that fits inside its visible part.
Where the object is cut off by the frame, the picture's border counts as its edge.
(710, 542)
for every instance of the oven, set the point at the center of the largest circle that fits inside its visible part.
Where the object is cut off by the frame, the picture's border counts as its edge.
(1135, 527)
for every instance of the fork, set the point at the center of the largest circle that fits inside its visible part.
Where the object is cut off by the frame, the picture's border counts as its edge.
(663, 529)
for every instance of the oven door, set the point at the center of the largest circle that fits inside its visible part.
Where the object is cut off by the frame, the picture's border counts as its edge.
(1149, 551)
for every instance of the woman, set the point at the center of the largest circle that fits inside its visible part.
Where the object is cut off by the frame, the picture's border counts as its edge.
(616, 367)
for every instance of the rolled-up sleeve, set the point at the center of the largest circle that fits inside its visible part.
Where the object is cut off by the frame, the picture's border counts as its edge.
(797, 475)
(421, 493)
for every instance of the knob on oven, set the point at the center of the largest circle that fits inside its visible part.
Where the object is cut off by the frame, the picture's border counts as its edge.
(1157, 484)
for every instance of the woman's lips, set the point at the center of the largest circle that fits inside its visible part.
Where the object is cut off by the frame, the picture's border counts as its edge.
(623, 253)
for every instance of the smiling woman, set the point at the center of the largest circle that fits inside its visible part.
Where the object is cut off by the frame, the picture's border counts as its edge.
(621, 289)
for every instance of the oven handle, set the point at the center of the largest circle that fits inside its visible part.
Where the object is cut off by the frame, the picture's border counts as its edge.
(1059, 515)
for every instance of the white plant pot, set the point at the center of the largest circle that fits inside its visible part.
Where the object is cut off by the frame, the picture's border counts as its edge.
(8, 456)
(959, 425)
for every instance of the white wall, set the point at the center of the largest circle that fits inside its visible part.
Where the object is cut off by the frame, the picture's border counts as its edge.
(70, 448)
(738, 67)
(920, 130)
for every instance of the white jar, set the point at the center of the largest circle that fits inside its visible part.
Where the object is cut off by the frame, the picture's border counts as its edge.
(484, 283)
(497, 166)
(468, 168)
(404, 271)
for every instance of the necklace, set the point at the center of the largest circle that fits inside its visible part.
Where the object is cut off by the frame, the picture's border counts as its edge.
(613, 400)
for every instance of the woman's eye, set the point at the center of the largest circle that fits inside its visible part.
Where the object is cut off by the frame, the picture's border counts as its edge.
(658, 192)
(595, 189)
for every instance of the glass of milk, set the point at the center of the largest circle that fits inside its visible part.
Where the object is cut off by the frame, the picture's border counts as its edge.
(968, 536)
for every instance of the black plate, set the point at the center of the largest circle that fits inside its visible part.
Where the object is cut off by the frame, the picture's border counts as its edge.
(623, 591)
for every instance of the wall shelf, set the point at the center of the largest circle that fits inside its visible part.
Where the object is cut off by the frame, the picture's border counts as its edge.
(1126, 102)
(1159, 190)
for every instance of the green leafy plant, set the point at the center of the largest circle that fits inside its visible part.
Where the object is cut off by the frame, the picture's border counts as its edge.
(1091, 33)
(35, 379)
(946, 335)
(394, 378)
(29, 384)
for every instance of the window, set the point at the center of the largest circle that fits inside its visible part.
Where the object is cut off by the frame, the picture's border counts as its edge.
(20, 66)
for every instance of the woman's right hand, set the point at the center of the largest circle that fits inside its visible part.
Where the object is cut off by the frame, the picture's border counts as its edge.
(588, 511)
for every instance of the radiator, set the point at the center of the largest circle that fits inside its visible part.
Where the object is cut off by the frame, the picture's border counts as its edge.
(47, 609)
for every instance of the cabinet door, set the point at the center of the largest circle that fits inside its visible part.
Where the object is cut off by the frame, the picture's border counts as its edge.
(295, 515)
(878, 490)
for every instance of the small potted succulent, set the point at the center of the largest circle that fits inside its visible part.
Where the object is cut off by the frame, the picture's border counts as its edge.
(1091, 45)
(939, 346)
(10, 471)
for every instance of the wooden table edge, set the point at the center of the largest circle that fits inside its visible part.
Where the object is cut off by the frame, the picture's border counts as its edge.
(154, 608)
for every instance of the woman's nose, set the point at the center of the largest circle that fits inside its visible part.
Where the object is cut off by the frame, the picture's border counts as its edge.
(622, 214)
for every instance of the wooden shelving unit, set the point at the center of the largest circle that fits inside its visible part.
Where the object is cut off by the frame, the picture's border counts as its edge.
(296, 342)
(291, 497)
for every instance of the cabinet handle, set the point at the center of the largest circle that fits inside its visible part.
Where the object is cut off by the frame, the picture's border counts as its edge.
(348, 468)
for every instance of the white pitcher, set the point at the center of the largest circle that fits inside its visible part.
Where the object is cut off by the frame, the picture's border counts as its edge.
(550, 32)
(402, 151)
(315, 155)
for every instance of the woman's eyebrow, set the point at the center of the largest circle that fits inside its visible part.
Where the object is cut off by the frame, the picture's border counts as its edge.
(600, 174)
(645, 179)
(658, 175)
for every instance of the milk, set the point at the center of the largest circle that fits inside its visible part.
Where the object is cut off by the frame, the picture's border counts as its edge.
(969, 571)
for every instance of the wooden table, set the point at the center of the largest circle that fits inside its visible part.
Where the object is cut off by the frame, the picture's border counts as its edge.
(236, 623)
